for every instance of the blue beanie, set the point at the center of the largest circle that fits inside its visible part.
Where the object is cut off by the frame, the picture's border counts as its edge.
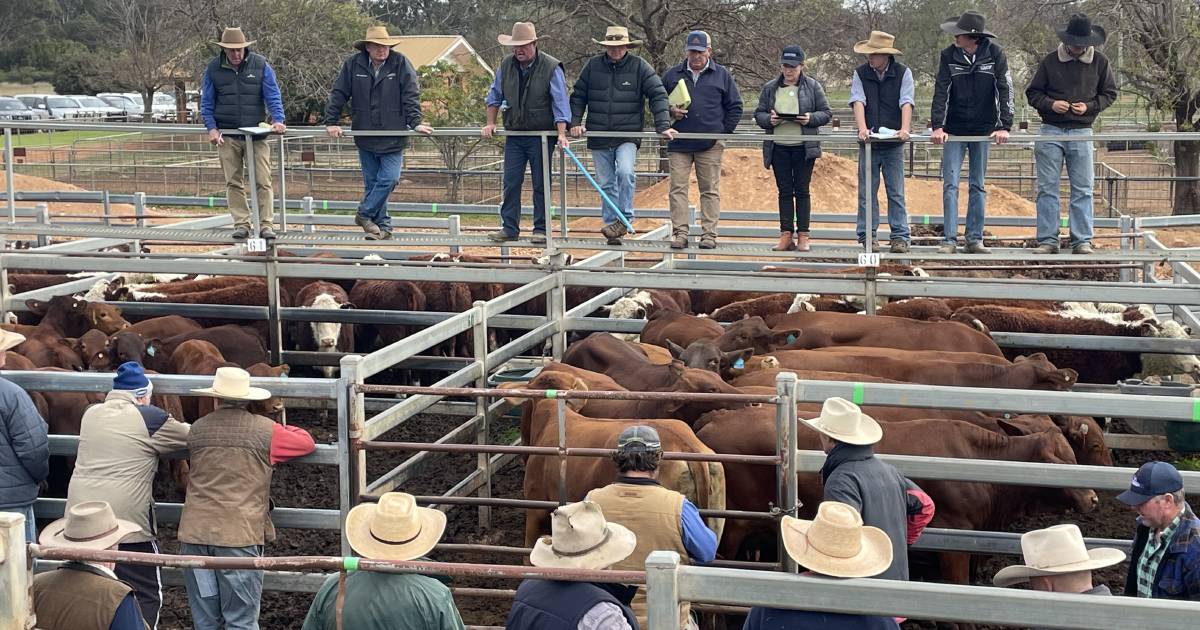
(131, 376)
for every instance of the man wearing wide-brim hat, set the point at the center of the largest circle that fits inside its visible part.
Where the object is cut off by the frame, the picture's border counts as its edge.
(397, 529)
(227, 511)
(381, 87)
(834, 544)
(239, 90)
(24, 445)
(86, 595)
(1071, 86)
(1057, 561)
(613, 89)
(853, 475)
(972, 96)
(530, 93)
(580, 538)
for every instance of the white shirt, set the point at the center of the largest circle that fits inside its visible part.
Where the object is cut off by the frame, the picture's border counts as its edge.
(604, 616)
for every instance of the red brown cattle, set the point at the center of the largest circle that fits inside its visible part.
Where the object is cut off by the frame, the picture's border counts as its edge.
(680, 328)
(773, 304)
(739, 341)
(201, 358)
(92, 347)
(51, 353)
(241, 345)
(164, 327)
(384, 295)
(324, 336)
(707, 301)
(66, 316)
(247, 292)
(23, 282)
(139, 293)
(449, 297)
(839, 329)
(1032, 372)
(925, 309)
(642, 304)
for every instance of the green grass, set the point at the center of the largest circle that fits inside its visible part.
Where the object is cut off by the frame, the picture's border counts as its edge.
(45, 139)
(1188, 463)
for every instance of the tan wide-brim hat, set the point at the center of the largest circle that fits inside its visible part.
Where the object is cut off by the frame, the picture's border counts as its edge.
(88, 525)
(836, 543)
(843, 421)
(233, 37)
(10, 340)
(878, 43)
(617, 36)
(394, 529)
(233, 383)
(522, 33)
(377, 35)
(580, 538)
(1054, 551)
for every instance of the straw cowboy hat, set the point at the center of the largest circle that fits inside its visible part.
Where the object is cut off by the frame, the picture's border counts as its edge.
(617, 36)
(837, 543)
(522, 33)
(969, 23)
(580, 538)
(377, 35)
(233, 37)
(10, 340)
(1080, 31)
(88, 525)
(843, 421)
(877, 43)
(395, 528)
(1054, 551)
(233, 383)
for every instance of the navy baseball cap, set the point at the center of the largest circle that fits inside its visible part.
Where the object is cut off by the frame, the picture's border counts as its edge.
(639, 437)
(698, 40)
(1151, 480)
(792, 56)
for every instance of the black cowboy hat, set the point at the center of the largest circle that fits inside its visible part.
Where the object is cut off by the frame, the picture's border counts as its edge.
(969, 23)
(1080, 31)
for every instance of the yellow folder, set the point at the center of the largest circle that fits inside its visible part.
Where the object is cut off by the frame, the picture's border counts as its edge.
(679, 97)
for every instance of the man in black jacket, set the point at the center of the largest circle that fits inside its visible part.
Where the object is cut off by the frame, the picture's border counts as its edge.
(381, 86)
(614, 87)
(1072, 85)
(972, 97)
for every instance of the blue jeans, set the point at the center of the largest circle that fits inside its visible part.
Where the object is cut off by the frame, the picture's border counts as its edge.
(887, 163)
(521, 152)
(1049, 156)
(614, 173)
(952, 159)
(223, 599)
(380, 172)
(30, 523)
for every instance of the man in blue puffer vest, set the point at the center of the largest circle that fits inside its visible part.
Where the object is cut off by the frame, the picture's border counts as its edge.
(24, 446)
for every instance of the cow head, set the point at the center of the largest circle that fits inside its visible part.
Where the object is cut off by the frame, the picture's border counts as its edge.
(129, 346)
(1053, 448)
(703, 354)
(552, 379)
(753, 332)
(67, 314)
(273, 406)
(326, 334)
(1048, 376)
(1086, 439)
(691, 380)
(92, 347)
(1170, 364)
(105, 317)
(634, 306)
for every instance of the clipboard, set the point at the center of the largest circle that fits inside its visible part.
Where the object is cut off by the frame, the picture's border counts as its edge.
(679, 96)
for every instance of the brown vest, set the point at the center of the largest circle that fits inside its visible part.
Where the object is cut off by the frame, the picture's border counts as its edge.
(653, 513)
(76, 597)
(228, 503)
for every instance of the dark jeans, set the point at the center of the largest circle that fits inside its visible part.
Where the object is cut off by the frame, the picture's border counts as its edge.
(145, 580)
(519, 152)
(381, 173)
(793, 173)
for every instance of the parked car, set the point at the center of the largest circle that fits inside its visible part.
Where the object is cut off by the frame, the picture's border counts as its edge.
(14, 109)
(164, 106)
(129, 109)
(98, 109)
(58, 107)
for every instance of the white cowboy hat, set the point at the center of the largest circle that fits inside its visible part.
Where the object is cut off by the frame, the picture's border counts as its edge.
(88, 525)
(233, 37)
(836, 543)
(377, 35)
(877, 42)
(1054, 551)
(394, 529)
(10, 340)
(580, 538)
(522, 33)
(233, 383)
(843, 421)
(617, 36)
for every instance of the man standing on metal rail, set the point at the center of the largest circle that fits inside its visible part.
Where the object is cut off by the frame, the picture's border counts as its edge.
(580, 538)
(660, 518)
(1165, 563)
(854, 476)
(239, 90)
(393, 529)
(120, 443)
(613, 87)
(971, 97)
(1072, 85)
(1057, 561)
(381, 86)
(708, 101)
(228, 508)
(24, 445)
(530, 92)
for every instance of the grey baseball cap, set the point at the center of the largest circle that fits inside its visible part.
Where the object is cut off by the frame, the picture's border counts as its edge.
(639, 437)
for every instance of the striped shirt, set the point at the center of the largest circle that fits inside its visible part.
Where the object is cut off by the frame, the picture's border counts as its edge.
(1152, 555)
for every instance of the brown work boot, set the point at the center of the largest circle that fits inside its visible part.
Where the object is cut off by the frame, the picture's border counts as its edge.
(680, 241)
(802, 241)
(708, 241)
(613, 232)
(785, 243)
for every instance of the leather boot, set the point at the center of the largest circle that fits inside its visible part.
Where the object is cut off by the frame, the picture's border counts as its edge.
(802, 241)
(785, 243)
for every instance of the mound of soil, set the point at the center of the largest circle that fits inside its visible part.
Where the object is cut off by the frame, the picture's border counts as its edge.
(30, 183)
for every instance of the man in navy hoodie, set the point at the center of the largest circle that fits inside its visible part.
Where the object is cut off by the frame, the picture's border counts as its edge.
(716, 107)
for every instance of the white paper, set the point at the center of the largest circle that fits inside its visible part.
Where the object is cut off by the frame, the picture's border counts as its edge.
(885, 134)
(256, 131)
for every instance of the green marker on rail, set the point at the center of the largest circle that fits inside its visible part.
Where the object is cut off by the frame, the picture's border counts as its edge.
(434, 208)
(858, 395)
(350, 563)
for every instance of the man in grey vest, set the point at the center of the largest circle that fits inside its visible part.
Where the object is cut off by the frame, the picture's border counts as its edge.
(530, 91)
(239, 90)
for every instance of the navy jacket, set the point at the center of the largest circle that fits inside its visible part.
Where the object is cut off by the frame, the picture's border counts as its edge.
(556, 605)
(973, 97)
(24, 447)
(387, 101)
(779, 619)
(1178, 574)
(716, 104)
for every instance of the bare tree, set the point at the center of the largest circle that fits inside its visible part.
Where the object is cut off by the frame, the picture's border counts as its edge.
(147, 42)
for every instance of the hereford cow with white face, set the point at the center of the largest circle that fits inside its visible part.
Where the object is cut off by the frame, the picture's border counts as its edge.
(325, 336)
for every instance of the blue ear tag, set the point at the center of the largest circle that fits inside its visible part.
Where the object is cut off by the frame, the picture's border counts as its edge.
(740, 363)
(150, 351)
(791, 338)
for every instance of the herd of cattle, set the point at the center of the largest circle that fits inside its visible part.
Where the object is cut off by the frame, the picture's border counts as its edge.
(693, 341)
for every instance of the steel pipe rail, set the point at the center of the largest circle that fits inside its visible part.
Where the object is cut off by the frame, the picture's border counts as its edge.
(166, 383)
(565, 394)
(369, 445)
(325, 455)
(529, 504)
(284, 517)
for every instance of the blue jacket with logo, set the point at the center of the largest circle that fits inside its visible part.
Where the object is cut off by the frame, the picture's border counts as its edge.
(716, 104)
(973, 97)
(1178, 574)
